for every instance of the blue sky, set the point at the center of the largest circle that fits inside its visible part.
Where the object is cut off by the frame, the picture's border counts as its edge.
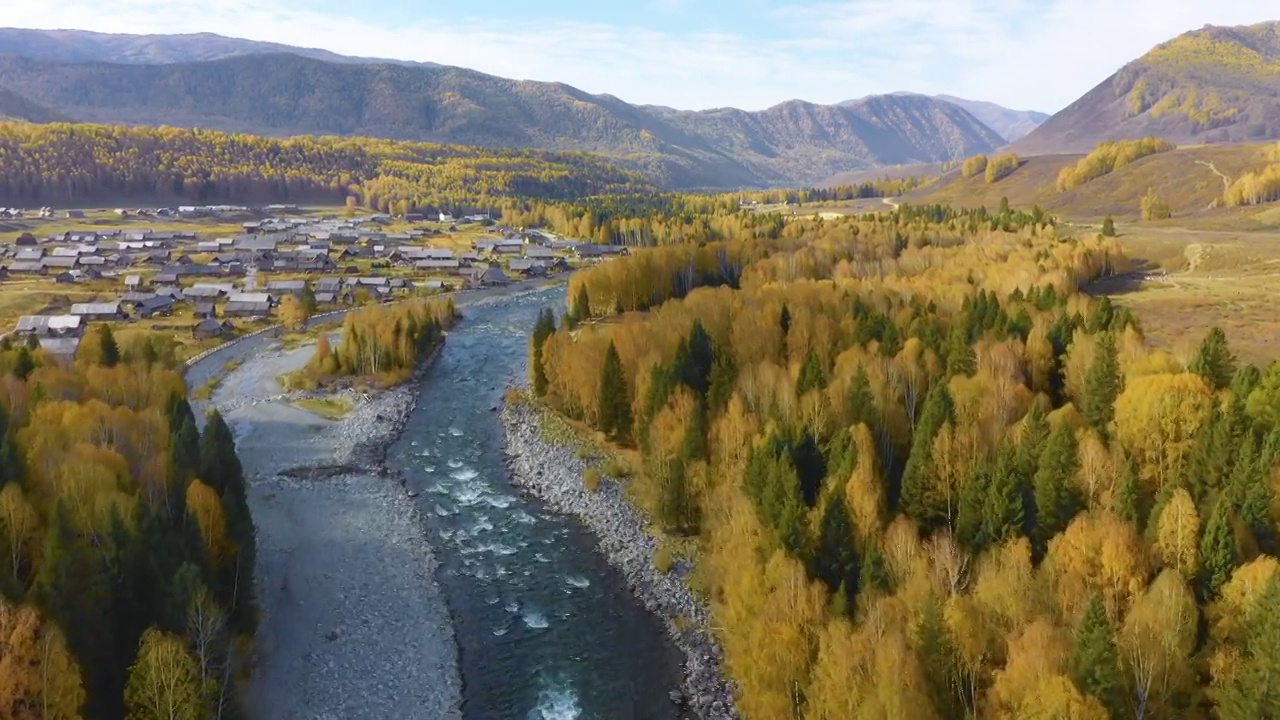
(697, 54)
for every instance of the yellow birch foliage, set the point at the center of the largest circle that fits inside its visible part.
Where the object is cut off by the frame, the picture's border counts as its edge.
(39, 679)
(204, 505)
(1178, 534)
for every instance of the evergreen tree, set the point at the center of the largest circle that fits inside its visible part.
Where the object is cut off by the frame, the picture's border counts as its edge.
(1102, 384)
(859, 402)
(1126, 501)
(961, 359)
(1095, 664)
(1218, 554)
(543, 329)
(724, 374)
(1057, 500)
(220, 467)
(1214, 361)
(1251, 690)
(837, 564)
(695, 359)
(308, 300)
(935, 650)
(917, 479)
(581, 305)
(24, 365)
(784, 323)
(811, 375)
(1004, 509)
(873, 574)
(110, 350)
(677, 510)
(971, 510)
(1108, 227)
(615, 399)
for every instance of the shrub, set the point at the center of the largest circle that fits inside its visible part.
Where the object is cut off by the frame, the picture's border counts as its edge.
(664, 558)
(617, 469)
(591, 479)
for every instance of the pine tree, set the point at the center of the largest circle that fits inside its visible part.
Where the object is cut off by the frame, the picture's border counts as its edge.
(677, 510)
(935, 650)
(860, 403)
(837, 564)
(614, 398)
(1218, 554)
(1095, 664)
(581, 305)
(24, 365)
(1108, 227)
(1251, 690)
(1004, 511)
(1102, 385)
(811, 375)
(543, 329)
(917, 491)
(961, 359)
(1126, 501)
(110, 350)
(308, 300)
(971, 510)
(1057, 500)
(1214, 361)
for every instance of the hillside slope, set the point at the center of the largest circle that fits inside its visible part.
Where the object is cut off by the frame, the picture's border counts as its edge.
(1216, 84)
(1183, 178)
(285, 94)
(1011, 124)
(80, 46)
(15, 107)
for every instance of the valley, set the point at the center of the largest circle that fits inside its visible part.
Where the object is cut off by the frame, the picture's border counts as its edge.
(334, 386)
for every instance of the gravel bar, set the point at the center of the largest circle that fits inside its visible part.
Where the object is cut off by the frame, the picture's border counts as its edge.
(354, 625)
(554, 473)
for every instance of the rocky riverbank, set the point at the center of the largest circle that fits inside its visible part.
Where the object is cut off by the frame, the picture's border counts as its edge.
(554, 473)
(354, 624)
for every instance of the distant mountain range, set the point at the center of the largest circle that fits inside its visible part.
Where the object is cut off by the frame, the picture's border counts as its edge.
(1216, 84)
(132, 80)
(1211, 85)
(82, 46)
(1008, 124)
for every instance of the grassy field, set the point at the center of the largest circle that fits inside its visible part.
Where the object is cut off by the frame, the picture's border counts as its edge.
(1189, 179)
(1195, 279)
(329, 408)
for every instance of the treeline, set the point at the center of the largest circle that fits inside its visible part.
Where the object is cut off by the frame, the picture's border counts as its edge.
(993, 169)
(1257, 187)
(938, 481)
(381, 342)
(1108, 157)
(126, 587)
(70, 163)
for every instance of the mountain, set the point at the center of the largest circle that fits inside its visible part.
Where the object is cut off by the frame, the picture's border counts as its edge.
(81, 46)
(16, 107)
(1216, 84)
(1010, 124)
(287, 94)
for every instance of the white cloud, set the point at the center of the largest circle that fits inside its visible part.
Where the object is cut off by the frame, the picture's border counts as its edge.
(1038, 54)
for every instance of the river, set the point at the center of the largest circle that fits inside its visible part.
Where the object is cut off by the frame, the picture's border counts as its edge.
(547, 629)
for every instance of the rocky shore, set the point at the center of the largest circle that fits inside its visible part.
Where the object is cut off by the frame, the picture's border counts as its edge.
(353, 624)
(554, 473)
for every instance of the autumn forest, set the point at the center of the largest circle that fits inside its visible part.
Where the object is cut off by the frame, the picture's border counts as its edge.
(924, 475)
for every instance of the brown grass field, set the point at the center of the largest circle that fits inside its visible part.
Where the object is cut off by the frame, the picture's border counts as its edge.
(1191, 280)
(1182, 177)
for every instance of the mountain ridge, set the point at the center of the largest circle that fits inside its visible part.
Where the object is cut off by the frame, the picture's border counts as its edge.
(287, 94)
(1212, 85)
(77, 46)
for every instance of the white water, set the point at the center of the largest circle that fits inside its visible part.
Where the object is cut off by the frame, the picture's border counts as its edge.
(556, 704)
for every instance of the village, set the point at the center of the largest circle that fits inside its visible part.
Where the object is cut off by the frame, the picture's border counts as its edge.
(213, 284)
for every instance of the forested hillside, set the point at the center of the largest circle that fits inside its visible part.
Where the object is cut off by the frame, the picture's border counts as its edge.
(286, 94)
(126, 586)
(1216, 84)
(930, 478)
(70, 164)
